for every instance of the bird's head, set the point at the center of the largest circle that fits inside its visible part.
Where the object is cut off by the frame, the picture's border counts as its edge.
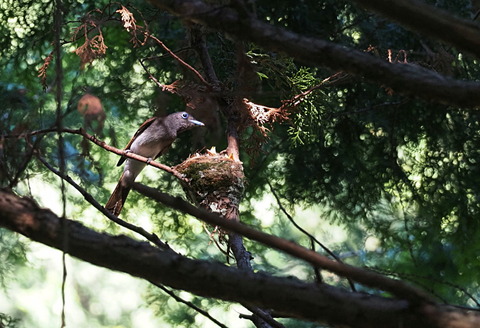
(182, 121)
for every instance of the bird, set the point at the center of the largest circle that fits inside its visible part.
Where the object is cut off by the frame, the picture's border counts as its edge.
(151, 140)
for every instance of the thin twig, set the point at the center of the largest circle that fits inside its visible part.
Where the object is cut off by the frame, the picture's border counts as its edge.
(151, 77)
(189, 304)
(89, 198)
(58, 23)
(331, 80)
(263, 315)
(305, 232)
(416, 278)
(180, 60)
(23, 166)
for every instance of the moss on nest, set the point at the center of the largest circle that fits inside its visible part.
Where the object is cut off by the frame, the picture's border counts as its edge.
(215, 182)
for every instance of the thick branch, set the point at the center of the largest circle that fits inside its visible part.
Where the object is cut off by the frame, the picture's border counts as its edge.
(405, 78)
(288, 296)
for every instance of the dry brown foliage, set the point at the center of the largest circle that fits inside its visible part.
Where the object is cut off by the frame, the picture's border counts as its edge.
(42, 71)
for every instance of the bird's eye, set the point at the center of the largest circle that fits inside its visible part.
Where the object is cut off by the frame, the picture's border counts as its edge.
(184, 115)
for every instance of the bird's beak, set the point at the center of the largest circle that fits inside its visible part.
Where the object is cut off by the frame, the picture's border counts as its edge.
(197, 122)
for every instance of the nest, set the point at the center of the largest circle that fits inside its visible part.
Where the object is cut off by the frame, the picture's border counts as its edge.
(214, 182)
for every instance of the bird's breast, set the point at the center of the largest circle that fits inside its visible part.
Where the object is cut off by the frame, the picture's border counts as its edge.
(148, 145)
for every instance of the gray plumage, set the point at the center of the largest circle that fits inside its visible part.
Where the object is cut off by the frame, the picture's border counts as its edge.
(151, 140)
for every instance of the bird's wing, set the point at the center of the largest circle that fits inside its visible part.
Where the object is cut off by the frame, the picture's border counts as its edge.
(142, 128)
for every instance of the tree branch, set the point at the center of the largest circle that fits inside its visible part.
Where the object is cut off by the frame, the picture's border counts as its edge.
(287, 296)
(89, 198)
(404, 78)
(368, 278)
(429, 20)
(181, 61)
(198, 42)
(105, 146)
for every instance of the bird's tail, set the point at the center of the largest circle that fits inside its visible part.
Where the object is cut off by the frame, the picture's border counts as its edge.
(118, 197)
